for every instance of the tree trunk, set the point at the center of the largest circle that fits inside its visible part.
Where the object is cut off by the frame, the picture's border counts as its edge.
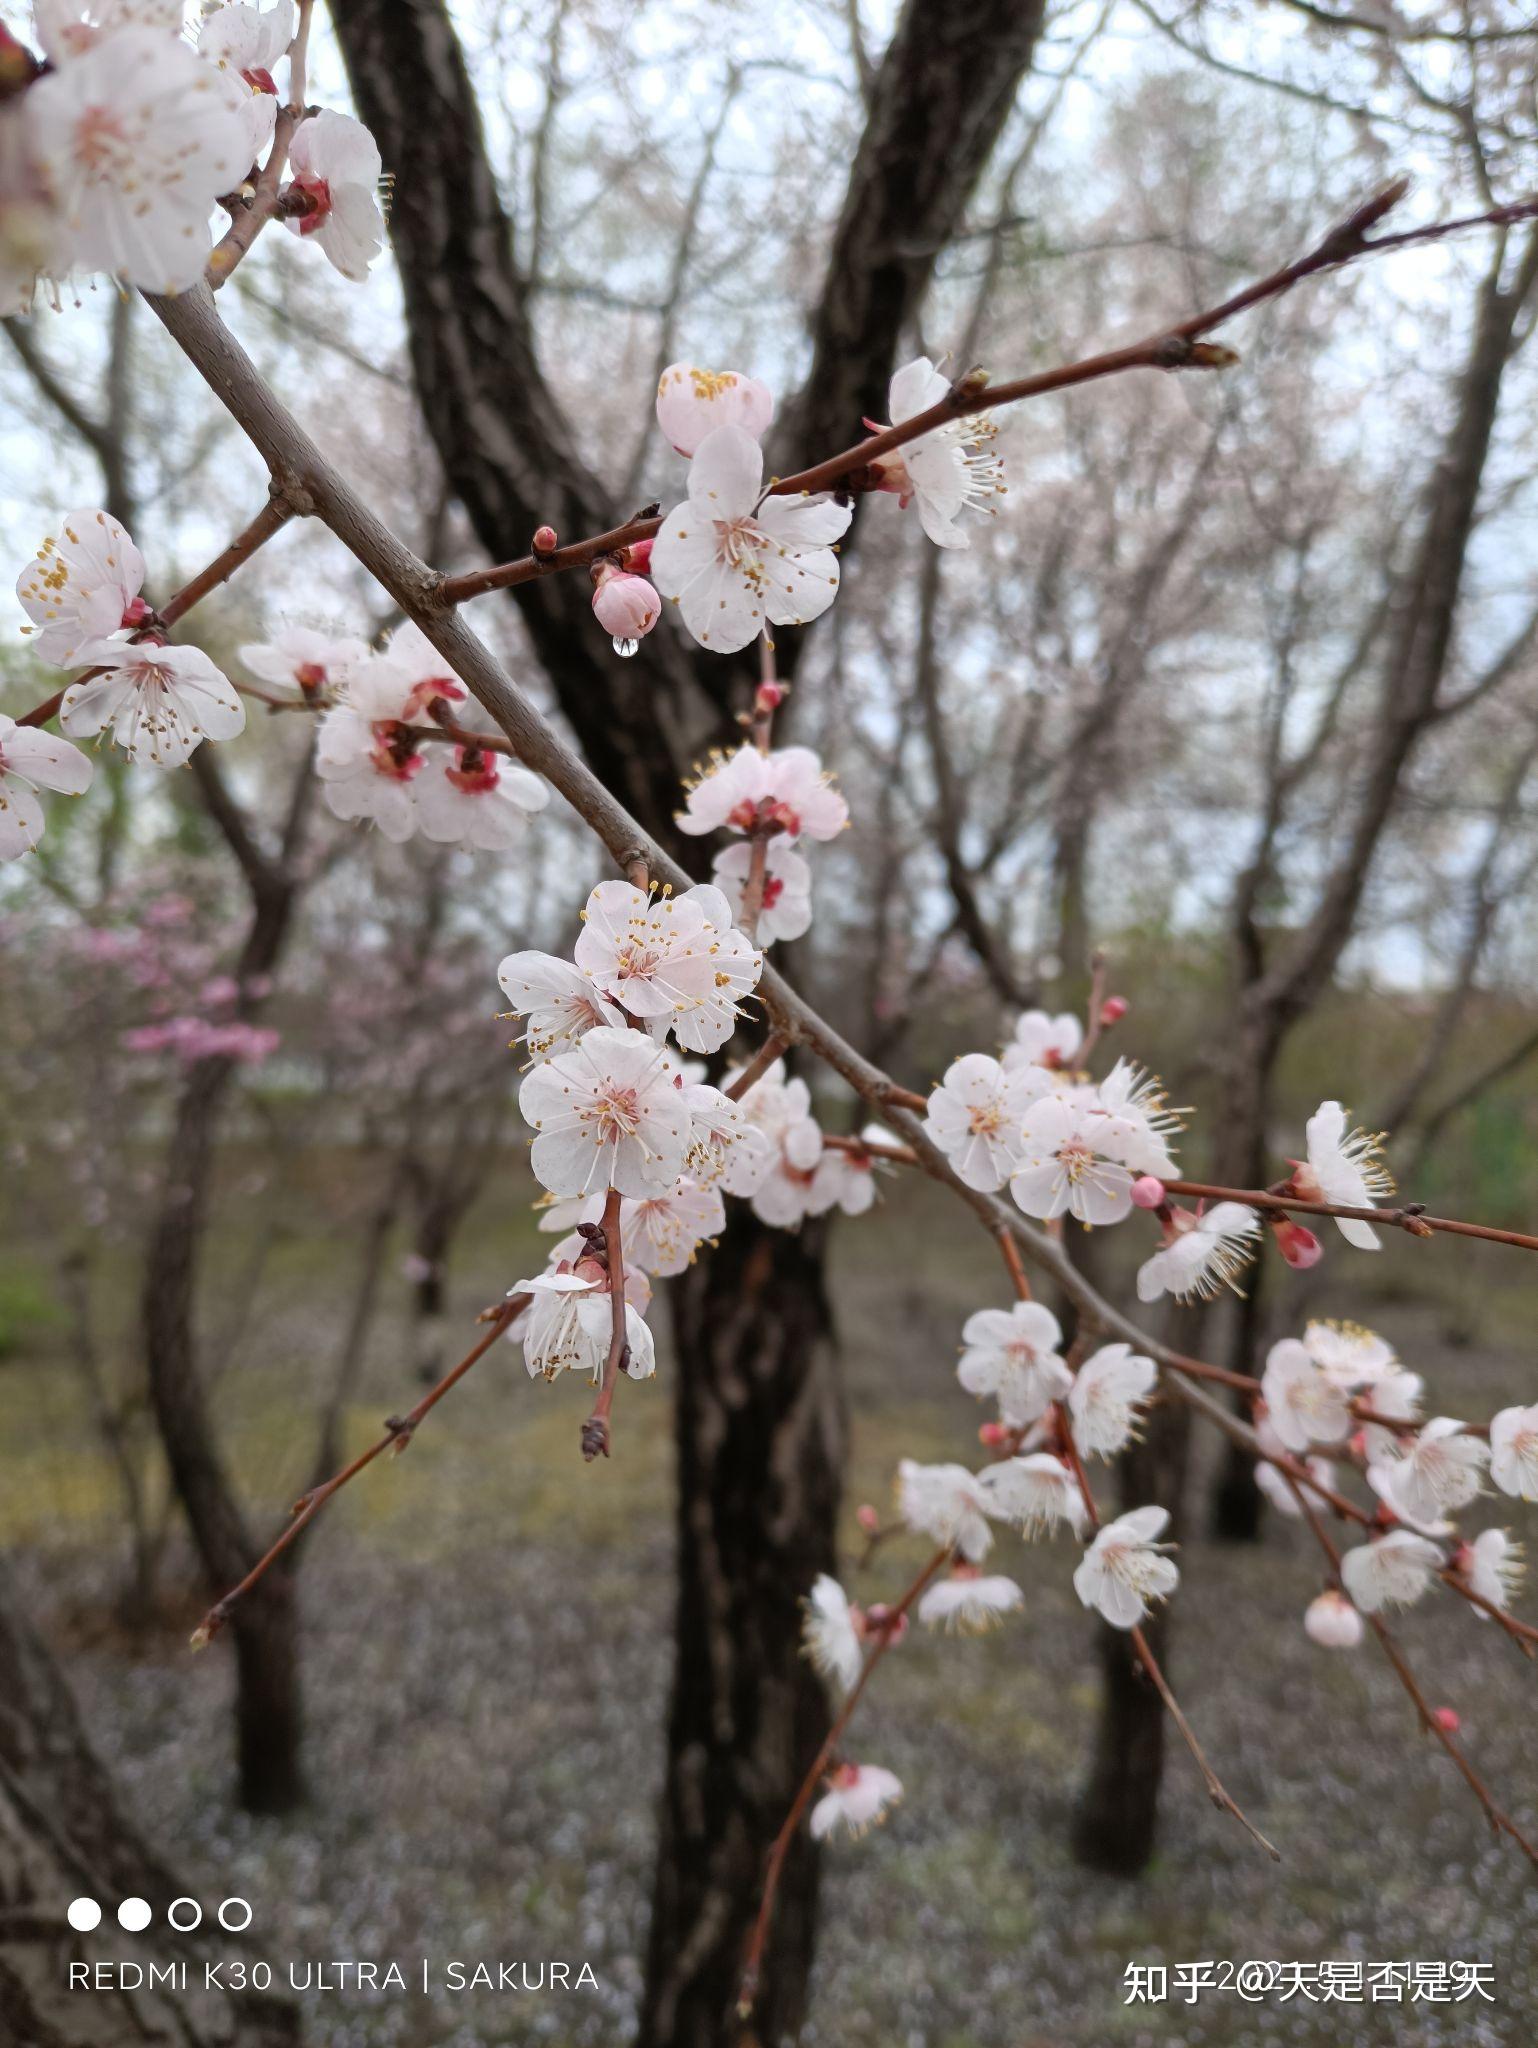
(62, 1837)
(761, 1442)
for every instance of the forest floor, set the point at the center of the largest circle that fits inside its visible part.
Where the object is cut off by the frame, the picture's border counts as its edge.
(487, 1652)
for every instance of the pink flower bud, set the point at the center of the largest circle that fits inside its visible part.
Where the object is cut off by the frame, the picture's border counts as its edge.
(1112, 1010)
(639, 557)
(1147, 1192)
(993, 1434)
(1299, 1247)
(770, 696)
(626, 606)
(868, 1519)
(136, 613)
(1447, 1719)
(545, 542)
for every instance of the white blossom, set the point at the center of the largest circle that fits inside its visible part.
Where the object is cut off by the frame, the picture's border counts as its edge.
(947, 1503)
(673, 961)
(138, 138)
(334, 162)
(844, 1178)
(1012, 1355)
(692, 403)
(1344, 1166)
(1277, 1487)
(1333, 1622)
(1104, 1398)
(302, 662)
(1381, 1478)
(1136, 1096)
(1494, 1569)
(1124, 1569)
(1204, 1254)
(1073, 1161)
(570, 1326)
(1392, 1571)
(1044, 1041)
(29, 761)
(557, 1001)
(969, 1603)
(976, 1113)
(1396, 1397)
(786, 912)
(952, 469)
(786, 789)
(734, 560)
(1033, 1493)
(829, 1634)
(1302, 1405)
(607, 1115)
(83, 586)
(364, 756)
(68, 28)
(860, 1796)
(1440, 1472)
(159, 702)
(243, 38)
(662, 1232)
(1514, 1452)
(468, 795)
(1349, 1354)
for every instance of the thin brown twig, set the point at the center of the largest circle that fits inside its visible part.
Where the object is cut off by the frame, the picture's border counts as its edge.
(773, 1048)
(1408, 1216)
(780, 1847)
(1178, 347)
(595, 1431)
(398, 1432)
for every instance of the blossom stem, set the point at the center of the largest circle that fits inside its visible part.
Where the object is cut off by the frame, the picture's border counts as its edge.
(595, 1431)
(780, 1847)
(398, 1432)
(1015, 1263)
(774, 1047)
(1409, 1216)
(1172, 348)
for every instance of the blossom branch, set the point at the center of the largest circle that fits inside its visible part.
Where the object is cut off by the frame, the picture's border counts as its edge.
(398, 1432)
(780, 1847)
(1408, 1216)
(1180, 347)
(595, 1431)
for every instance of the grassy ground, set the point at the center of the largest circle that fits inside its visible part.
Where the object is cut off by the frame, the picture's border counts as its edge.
(487, 1669)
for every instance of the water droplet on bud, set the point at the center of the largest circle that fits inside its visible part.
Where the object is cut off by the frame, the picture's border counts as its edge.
(626, 647)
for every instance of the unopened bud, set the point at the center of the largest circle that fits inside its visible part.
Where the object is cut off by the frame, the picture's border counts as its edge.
(544, 540)
(626, 606)
(1297, 1245)
(1447, 1719)
(770, 697)
(639, 557)
(1112, 1010)
(868, 1518)
(993, 1434)
(135, 612)
(1148, 1192)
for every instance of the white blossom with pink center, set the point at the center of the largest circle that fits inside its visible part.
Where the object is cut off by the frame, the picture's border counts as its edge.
(830, 1634)
(724, 1147)
(1393, 1571)
(557, 1000)
(365, 757)
(786, 911)
(1033, 1494)
(1441, 1471)
(845, 1176)
(946, 1503)
(1125, 1570)
(138, 138)
(692, 403)
(786, 790)
(607, 1115)
(1044, 1041)
(952, 469)
(969, 1603)
(335, 166)
(662, 1233)
(83, 586)
(569, 1327)
(1012, 1356)
(304, 663)
(1344, 1166)
(1302, 1405)
(1073, 1162)
(735, 561)
(1202, 1254)
(29, 761)
(159, 702)
(68, 28)
(976, 1114)
(469, 796)
(1514, 1452)
(859, 1798)
(675, 962)
(1349, 1354)
(1107, 1391)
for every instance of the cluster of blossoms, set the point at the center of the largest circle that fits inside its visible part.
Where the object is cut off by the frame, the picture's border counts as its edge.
(740, 557)
(124, 139)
